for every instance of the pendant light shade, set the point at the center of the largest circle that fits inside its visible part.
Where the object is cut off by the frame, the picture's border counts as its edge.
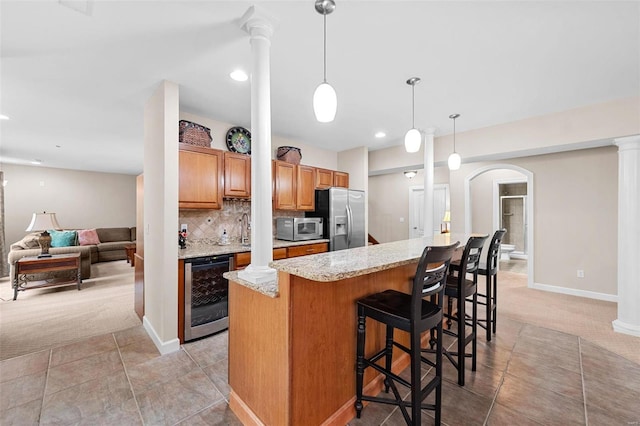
(412, 140)
(413, 137)
(325, 103)
(325, 100)
(454, 159)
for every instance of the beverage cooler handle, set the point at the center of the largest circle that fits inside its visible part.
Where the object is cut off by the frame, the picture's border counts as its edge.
(349, 225)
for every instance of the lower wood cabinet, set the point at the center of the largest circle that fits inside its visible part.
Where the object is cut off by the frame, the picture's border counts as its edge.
(306, 249)
(242, 260)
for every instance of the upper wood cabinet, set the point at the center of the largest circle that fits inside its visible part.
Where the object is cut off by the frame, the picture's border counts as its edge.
(237, 175)
(200, 177)
(341, 179)
(306, 188)
(324, 178)
(284, 185)
(293, 186)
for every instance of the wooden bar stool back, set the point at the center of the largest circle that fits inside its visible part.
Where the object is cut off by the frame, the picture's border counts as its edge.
(490, 297)
(459, 287)
(414, 314)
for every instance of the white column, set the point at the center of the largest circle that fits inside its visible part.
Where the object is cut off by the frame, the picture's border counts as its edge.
(259, 26)
(628, 321)
(428, 182)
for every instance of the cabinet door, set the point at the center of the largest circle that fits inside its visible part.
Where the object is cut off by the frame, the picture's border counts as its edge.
(306, 187)
(200, 182)
(341, 179)
(324, 178)
(237, 175)
(284, 182)
(307, 249)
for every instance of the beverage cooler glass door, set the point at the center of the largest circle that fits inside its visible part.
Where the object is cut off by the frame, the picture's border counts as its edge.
(206, 297)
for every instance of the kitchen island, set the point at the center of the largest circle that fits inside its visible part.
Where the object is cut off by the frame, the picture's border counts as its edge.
(292, 343)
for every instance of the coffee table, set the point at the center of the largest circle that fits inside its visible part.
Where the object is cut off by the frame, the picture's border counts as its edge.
(37, 265)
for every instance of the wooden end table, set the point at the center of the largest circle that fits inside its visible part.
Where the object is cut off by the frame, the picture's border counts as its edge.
(37, 265)
(131, 250)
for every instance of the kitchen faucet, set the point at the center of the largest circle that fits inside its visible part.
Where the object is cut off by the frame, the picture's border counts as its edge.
(245, 228)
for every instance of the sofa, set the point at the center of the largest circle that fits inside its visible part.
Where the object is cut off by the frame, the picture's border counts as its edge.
(109, 245)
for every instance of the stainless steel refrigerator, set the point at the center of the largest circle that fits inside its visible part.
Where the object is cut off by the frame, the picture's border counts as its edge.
(343, 212)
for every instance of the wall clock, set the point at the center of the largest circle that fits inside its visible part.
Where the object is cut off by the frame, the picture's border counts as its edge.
(239, 140)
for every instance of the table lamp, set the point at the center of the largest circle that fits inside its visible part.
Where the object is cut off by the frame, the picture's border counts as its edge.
(42, 222)
(444, 227)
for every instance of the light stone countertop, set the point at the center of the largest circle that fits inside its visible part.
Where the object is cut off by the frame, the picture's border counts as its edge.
(338, 265)
(210, 247)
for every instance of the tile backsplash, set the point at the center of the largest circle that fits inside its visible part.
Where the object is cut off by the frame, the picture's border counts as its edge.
(209, 224)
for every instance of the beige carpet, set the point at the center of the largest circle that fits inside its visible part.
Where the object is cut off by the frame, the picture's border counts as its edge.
(588, 318)
(50, 317)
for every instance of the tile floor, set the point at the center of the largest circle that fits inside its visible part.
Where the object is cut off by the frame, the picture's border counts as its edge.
(527, 375)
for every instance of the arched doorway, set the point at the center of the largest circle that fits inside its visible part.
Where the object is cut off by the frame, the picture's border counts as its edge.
(528, 230)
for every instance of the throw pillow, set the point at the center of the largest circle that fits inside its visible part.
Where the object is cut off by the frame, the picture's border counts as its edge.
(30, 241)
(88, 237)
(63, 238)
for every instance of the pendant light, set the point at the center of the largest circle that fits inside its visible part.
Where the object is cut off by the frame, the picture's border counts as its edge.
(454, 158)
(413, 137)
(325, 101)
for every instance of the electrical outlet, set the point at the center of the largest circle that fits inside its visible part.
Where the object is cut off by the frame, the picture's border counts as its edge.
(580, 273)
(183, 227)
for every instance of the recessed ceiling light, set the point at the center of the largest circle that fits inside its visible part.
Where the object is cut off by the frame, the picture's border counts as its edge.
(239, 75)
(380, 134)
(3, 117)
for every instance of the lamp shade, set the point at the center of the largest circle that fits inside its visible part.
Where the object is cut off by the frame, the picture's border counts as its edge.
(454, 161)
(42, 222)
(412, 140)
(325, 103)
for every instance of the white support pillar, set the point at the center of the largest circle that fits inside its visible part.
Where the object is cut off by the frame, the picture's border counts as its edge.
(428, 182)
(628, 321)
(260, 27)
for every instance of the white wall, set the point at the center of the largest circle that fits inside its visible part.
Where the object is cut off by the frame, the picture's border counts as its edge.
(80, 199)
(311, 155)
(161, 217)
(389, 203)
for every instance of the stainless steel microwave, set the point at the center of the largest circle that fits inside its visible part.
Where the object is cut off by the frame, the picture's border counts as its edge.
(299, 228)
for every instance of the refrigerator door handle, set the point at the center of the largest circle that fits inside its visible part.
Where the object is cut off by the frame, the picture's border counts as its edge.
(349, 225)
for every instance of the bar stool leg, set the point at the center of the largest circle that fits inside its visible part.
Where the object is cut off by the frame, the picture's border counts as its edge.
(474, 330)
(495, 302)
(360, 360)
(416, 387)
(388, 354)
(461, 337)
(439, 372)
(489, 306)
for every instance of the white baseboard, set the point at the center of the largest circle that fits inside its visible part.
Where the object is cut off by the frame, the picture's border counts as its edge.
(172, 345)
(622, 327)
(575, 292)
(519, 255)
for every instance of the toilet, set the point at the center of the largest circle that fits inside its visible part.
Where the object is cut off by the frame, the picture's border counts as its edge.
(505, 251)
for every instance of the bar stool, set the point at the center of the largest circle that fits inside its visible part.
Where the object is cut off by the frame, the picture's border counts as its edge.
(413, 314)
(490, 271)
(460, 288)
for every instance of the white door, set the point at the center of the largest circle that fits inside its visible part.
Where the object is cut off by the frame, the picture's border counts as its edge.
(416, 209)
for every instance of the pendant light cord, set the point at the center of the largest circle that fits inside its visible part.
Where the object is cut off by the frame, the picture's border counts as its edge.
(413, 106)
(454, 135)
(324, 15)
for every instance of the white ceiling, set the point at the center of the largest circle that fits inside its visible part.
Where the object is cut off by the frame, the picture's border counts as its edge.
(80, 81)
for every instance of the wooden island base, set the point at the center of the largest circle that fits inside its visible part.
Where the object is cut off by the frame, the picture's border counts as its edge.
(292, 357)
